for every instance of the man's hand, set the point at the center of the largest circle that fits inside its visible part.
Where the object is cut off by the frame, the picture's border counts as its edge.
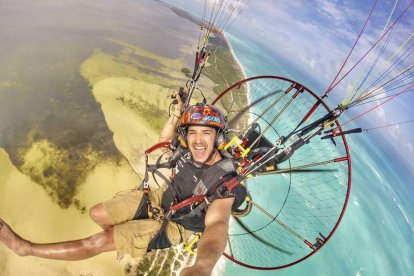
(178, 106)
(168, 131)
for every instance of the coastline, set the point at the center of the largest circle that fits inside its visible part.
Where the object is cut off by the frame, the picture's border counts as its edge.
(236, 59)
(240, 66)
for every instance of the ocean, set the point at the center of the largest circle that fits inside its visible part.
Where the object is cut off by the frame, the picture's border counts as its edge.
(375, 236)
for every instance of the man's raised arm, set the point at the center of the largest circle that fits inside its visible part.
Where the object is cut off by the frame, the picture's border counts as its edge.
(168, 131)
(214, 238)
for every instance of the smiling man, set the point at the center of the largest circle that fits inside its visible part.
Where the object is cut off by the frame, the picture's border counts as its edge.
(136, 221)
(203, 138)
(201, 170)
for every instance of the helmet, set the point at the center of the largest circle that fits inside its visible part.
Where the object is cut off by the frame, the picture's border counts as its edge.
(203, 115)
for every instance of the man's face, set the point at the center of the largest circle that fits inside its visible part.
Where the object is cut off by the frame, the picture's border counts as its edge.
(201, 142)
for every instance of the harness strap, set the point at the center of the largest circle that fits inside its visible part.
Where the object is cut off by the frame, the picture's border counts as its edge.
(165, 165)
(223, 191)
(163, 177)
(142, 212)
(187, 202)
(209, 181)
(194, 212)
(151, 168)
(228, 186)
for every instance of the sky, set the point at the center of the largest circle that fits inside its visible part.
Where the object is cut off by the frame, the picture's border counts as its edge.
(317, 35)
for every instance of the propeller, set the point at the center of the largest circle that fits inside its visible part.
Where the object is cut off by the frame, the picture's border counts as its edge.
(241, 112)
(260, 239)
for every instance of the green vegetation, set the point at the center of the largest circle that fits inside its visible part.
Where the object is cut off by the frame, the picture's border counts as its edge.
(67, 130)
(154, 115)
(59, 170)
(225, 71)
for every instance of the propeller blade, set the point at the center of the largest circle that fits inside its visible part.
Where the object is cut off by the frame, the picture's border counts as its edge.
(241, 112)
(260, 239)
(280, 171)
(308, 171)
(333, 141)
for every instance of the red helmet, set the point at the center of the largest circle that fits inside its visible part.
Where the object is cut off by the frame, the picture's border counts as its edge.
(203, 115)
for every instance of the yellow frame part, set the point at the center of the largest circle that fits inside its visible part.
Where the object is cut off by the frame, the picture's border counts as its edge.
(235, 141)
(189, 247)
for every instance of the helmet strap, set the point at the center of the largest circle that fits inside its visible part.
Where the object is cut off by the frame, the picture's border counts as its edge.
(212, 155)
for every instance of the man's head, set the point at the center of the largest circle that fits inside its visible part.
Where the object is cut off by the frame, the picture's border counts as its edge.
(201, 126)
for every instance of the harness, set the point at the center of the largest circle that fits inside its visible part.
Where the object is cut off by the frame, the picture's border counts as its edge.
(210, 186)
(145, 206)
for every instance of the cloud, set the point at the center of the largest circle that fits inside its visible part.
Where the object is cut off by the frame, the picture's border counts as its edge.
(395, 133)
(332, 10)
(409, 146)
(380, 113)
(321, 32)
(308, 34)
(318, 34)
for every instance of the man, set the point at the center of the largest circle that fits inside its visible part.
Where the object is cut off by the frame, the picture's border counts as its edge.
(200, 169)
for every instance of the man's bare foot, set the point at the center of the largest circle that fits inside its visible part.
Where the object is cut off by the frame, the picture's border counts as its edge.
(13, 241)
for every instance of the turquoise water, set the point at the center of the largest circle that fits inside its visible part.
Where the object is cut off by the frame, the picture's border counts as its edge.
(375, 236)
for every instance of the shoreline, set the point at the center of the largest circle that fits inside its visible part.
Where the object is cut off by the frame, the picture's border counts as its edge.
(234, 55)
(223, 263)
(239, 64)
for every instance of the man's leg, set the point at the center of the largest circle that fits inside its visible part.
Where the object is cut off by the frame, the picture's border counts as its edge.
(70, 250)
(117, 210)
(100, 216)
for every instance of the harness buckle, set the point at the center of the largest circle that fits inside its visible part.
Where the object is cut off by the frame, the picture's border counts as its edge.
(169, 214)
(207, 201)
(145, 187)
(192, 246)
(156, 214)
